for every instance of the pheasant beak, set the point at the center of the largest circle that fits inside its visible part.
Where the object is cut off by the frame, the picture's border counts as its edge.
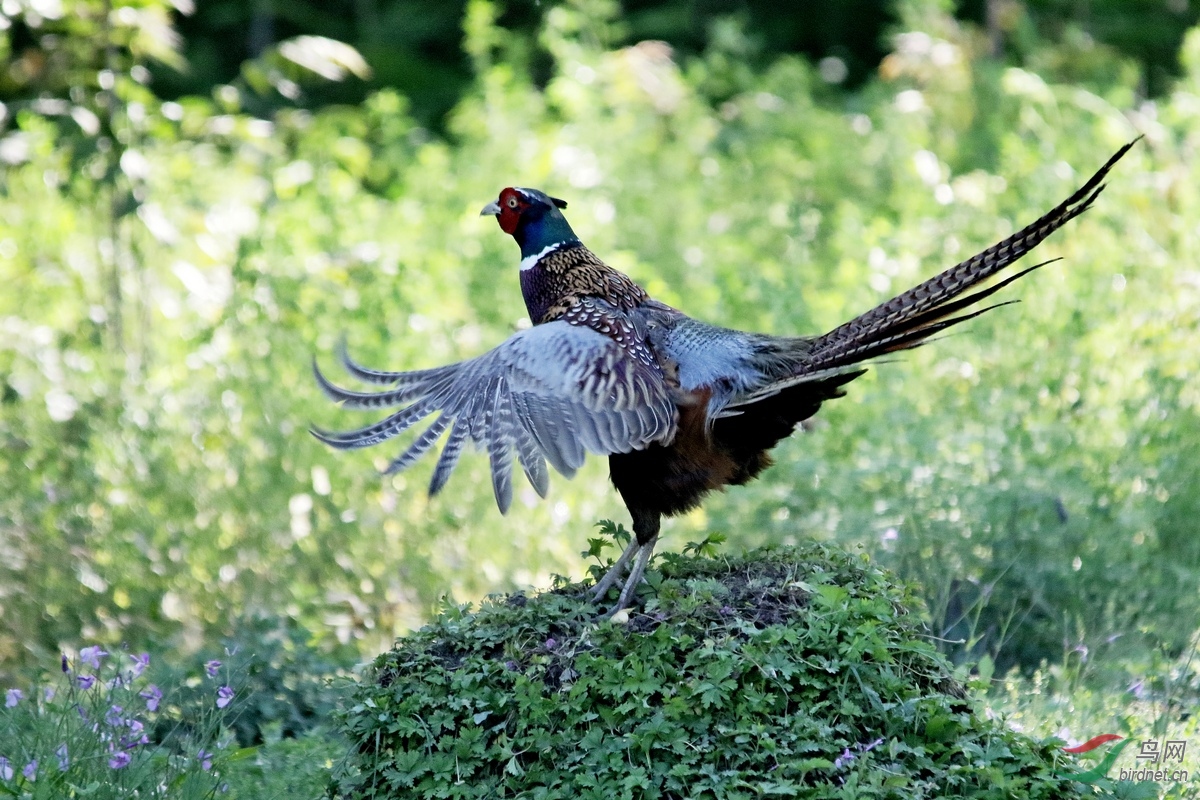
(492, 209)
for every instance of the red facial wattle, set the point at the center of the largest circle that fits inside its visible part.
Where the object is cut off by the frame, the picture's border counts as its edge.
(512, 205)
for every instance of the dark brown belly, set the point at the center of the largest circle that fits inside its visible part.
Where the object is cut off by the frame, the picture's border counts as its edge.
(669, 480)
(673, 479)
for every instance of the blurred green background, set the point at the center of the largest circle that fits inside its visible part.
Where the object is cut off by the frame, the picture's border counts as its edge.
(196, 200)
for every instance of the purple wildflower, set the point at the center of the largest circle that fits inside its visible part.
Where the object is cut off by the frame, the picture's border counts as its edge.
(6, 770)
(140, 663)
(136, 737)
(50, 692)
(119, 759)
(63, 760)
(130, 742)
(85, 681)
(64, 663)
(30, 771)
(12, 697)
(113, 717)
(551, 643)
(92, 655)
(224, 696)
(846, 757)
(211, 668)
(205, 759)
(152, 695)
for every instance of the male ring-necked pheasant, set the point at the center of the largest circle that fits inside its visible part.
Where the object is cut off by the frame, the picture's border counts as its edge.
(679, 406)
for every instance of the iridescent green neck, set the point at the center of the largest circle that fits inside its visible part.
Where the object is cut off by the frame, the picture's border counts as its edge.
(547, 229)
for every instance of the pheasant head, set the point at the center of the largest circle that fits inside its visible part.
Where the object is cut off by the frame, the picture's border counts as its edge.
(557, 271)
(532, 218)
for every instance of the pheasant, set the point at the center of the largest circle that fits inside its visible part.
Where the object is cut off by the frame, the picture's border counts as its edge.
(679, 406)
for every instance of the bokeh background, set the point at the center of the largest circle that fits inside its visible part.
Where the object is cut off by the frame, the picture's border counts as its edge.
(196, 199)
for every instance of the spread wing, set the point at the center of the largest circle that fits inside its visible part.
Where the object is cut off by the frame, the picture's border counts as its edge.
(555, 391)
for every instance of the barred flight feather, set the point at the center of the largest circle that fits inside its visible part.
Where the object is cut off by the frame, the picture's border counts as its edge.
(448, 459)
(533, 464)
(511, 399)
(420, 445)
(359, 372)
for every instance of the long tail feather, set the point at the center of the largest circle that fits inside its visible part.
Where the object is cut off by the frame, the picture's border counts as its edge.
(954, 306)
(912, 315)
(937, 296)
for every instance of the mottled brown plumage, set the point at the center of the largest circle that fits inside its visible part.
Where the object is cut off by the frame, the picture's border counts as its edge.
(567, 274)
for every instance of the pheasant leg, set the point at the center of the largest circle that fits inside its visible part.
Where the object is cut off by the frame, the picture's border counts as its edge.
(615, 571)
(635, 576)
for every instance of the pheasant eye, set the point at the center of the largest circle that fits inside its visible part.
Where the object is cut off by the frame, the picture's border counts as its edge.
(512, 202)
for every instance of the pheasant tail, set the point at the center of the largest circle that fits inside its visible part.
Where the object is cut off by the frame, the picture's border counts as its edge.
(908, 319)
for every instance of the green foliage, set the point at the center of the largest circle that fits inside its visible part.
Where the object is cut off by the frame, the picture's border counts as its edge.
(797, 672)
(707, 547)
(1061, 700)
(416, 47)
(610, 533)
(286, 685)
(169, 270)
(286, 768)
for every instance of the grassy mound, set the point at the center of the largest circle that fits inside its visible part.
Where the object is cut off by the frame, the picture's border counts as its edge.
(789, 672)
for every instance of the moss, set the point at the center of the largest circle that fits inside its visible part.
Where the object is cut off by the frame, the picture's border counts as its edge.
(788, 671)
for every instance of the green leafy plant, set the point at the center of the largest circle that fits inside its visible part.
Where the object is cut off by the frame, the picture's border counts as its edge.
(708, 546)
(797, 672)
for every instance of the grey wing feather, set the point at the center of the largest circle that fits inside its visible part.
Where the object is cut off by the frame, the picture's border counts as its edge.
(533, 464)
(542, 420)
(499, 446)
(449, 457)
(420, 446)
(365, 375)
(396, 424)
(411, 390)
(554, 392)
